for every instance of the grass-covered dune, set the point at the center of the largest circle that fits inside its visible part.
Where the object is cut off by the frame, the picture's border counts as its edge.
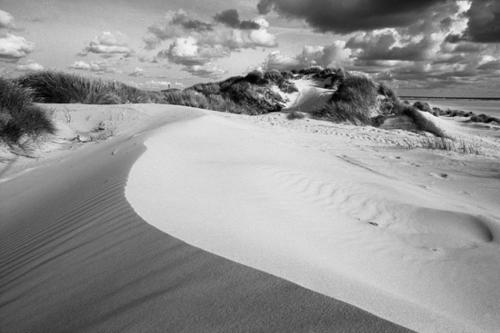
(18, 115)
(352, 97)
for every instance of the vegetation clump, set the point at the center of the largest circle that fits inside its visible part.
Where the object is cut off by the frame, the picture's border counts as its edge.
(353, 101)
(57, 87)
(18, 115)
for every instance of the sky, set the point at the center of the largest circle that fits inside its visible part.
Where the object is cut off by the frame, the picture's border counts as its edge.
(418, 47)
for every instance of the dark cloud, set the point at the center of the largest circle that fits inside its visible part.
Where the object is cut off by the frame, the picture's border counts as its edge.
(231, 18)
(348, 16)
(484, 21)
(453, 38)
(183, 20)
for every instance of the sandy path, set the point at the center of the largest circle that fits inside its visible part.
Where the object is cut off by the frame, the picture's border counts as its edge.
(375, 237)
(75, 257)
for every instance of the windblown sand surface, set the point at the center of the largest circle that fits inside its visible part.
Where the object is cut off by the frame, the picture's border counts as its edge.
(75, 257)
(411, 236)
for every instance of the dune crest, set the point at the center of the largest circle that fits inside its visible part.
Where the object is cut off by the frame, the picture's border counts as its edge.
(368, 237)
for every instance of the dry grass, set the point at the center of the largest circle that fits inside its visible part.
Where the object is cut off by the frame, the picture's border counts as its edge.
(439, 143)
(18, 115)
(57, 87)
(351, 102)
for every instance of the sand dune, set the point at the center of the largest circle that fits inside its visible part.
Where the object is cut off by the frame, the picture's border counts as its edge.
(329, 213)
(75, 257)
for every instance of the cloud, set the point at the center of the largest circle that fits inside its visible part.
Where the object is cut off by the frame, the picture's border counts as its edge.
(14, 47)
(335, 55)
(196, 49)
(188, 51)
(6, 20)
(108, 43)
(484, 21)
(205, 71)
(344, 17)
(138, 71)
(174, 24)
(390, 45)
(30, 67)
(231, 18)
(98, 67)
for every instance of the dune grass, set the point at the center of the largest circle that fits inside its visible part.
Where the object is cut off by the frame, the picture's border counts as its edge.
(18, 115)
(351, 102)
(442, 143)
(58, 87)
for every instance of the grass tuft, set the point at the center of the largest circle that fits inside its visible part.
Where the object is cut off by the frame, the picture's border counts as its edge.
(18, 115)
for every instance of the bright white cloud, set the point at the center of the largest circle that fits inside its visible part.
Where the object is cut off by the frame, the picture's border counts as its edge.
(108, 43)
(335, 55)
(14, 47)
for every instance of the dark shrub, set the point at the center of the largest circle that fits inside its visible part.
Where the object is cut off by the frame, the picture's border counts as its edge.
(387, 92)
(256, 77)
(423, 106)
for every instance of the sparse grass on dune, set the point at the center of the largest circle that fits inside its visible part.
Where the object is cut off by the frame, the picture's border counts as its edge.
(441, 143)
(58, 87)
(18, 115)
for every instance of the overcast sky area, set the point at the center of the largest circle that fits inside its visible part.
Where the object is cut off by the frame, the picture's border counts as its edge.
(419, 47)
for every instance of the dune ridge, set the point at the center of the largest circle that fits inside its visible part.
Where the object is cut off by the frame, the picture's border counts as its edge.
(75, 257)
(401, 250)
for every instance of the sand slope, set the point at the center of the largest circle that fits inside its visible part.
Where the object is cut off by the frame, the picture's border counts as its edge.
(332, 214)
(75, 257)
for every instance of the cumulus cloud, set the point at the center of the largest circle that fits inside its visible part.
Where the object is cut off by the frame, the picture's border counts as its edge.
(98, 67)
(335, 55)
(6, 20)
(30, 67)
(231, 18)
(484, 21)
(390, 45)
(197, 48)
(14, 47)
(108, 43)
(348, 16)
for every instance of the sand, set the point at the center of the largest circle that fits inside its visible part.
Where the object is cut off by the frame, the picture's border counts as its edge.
(75, 257)
(408, 235)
